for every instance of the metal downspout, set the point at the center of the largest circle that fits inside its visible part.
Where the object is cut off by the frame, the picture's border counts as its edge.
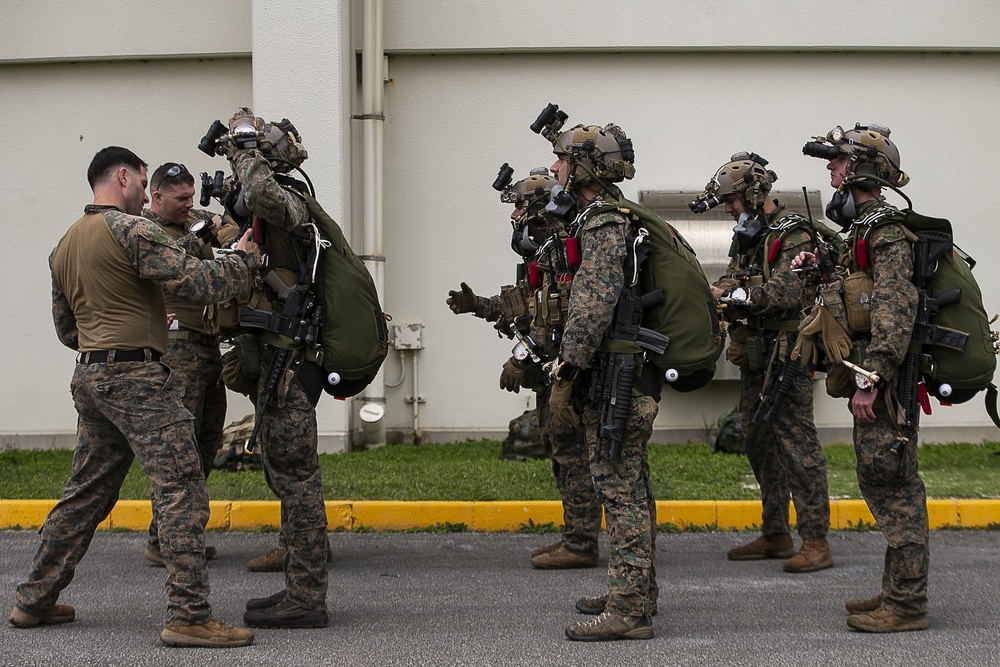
(372, 119)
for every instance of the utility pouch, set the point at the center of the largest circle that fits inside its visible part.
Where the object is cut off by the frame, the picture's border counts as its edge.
(222, 318)
(840, 378)
(757, 356)
(736, 353)
(512, 303)
(858, 300)
(241, 365)
(831, 295)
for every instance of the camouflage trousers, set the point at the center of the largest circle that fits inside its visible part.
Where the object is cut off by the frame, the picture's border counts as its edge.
(128, 410)
(288, 442)
(571, 468)
(198, 369)
(891, 485)
(786, 457)
(629, 510)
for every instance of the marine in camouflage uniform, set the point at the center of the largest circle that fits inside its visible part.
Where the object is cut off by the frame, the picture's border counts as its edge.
(780, 438)
(886, 456)
(109, 273)
(192, 350)
(538, 305)
(288, 431)
(590, 159)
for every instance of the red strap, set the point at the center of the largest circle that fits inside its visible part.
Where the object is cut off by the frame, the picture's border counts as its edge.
(861, 253)
(772, 254)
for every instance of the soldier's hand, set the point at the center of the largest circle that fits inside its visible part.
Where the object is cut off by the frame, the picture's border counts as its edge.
(561, 404)
(863, 405)
(512, 374)
(247, 245)
(462, 302)
(803, 259)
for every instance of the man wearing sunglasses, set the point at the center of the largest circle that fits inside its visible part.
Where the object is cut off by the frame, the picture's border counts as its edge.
(109, 272)
(192, 350)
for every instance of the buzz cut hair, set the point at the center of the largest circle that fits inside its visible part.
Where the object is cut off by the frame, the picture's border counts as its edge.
(107, 160)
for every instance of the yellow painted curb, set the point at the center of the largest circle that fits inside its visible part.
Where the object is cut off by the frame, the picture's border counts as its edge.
(496, 516)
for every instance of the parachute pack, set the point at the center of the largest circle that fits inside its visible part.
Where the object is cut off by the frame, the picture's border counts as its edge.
(958, 351)
(354, 336)
(687, 315)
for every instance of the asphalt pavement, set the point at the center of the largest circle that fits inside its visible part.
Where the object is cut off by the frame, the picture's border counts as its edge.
(472, 599)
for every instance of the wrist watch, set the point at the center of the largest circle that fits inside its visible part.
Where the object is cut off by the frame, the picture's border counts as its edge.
(863, 382)
(248, 258)
(521, 352)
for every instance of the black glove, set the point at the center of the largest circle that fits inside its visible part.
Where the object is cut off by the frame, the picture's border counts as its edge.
(462, 302)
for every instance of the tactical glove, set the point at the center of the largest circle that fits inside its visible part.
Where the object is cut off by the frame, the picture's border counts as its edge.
(512, 374)
(462, 302)
(561, 404)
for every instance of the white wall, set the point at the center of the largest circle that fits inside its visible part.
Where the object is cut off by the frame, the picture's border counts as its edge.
(690, 83)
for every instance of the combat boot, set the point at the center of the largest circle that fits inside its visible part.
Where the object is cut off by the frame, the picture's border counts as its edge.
(58, 613)
(884, 619)
(610, 626)
(547, 548)
(155, 556)
(592, 605)
(264, 603)
(286, 614)
(596, 605)
(778, 545)
(814, 555)
(859, 606)
(562, 558)
(210, 634)
(272, 561)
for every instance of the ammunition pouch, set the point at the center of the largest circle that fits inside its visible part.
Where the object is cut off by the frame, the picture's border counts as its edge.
(756, 352)
(551, 308)
(241, 365)
(736, 353)
(514, 306)
(858, 288)
(831, 294)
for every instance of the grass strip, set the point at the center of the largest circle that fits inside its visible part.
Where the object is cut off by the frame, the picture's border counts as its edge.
(473, 471)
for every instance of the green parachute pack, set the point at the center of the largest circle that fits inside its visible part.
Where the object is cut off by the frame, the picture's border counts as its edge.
(354, 336)
(958, 351)
(687, 315)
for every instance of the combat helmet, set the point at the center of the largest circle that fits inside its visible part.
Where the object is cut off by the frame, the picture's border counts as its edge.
(279, 142)
(604, 153)
(531, 193)
(745, 176)
(870, 152)
(530, 196)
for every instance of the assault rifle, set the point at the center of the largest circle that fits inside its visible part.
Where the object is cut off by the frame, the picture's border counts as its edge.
(612, 389)
(778, 387)
(299, 322)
